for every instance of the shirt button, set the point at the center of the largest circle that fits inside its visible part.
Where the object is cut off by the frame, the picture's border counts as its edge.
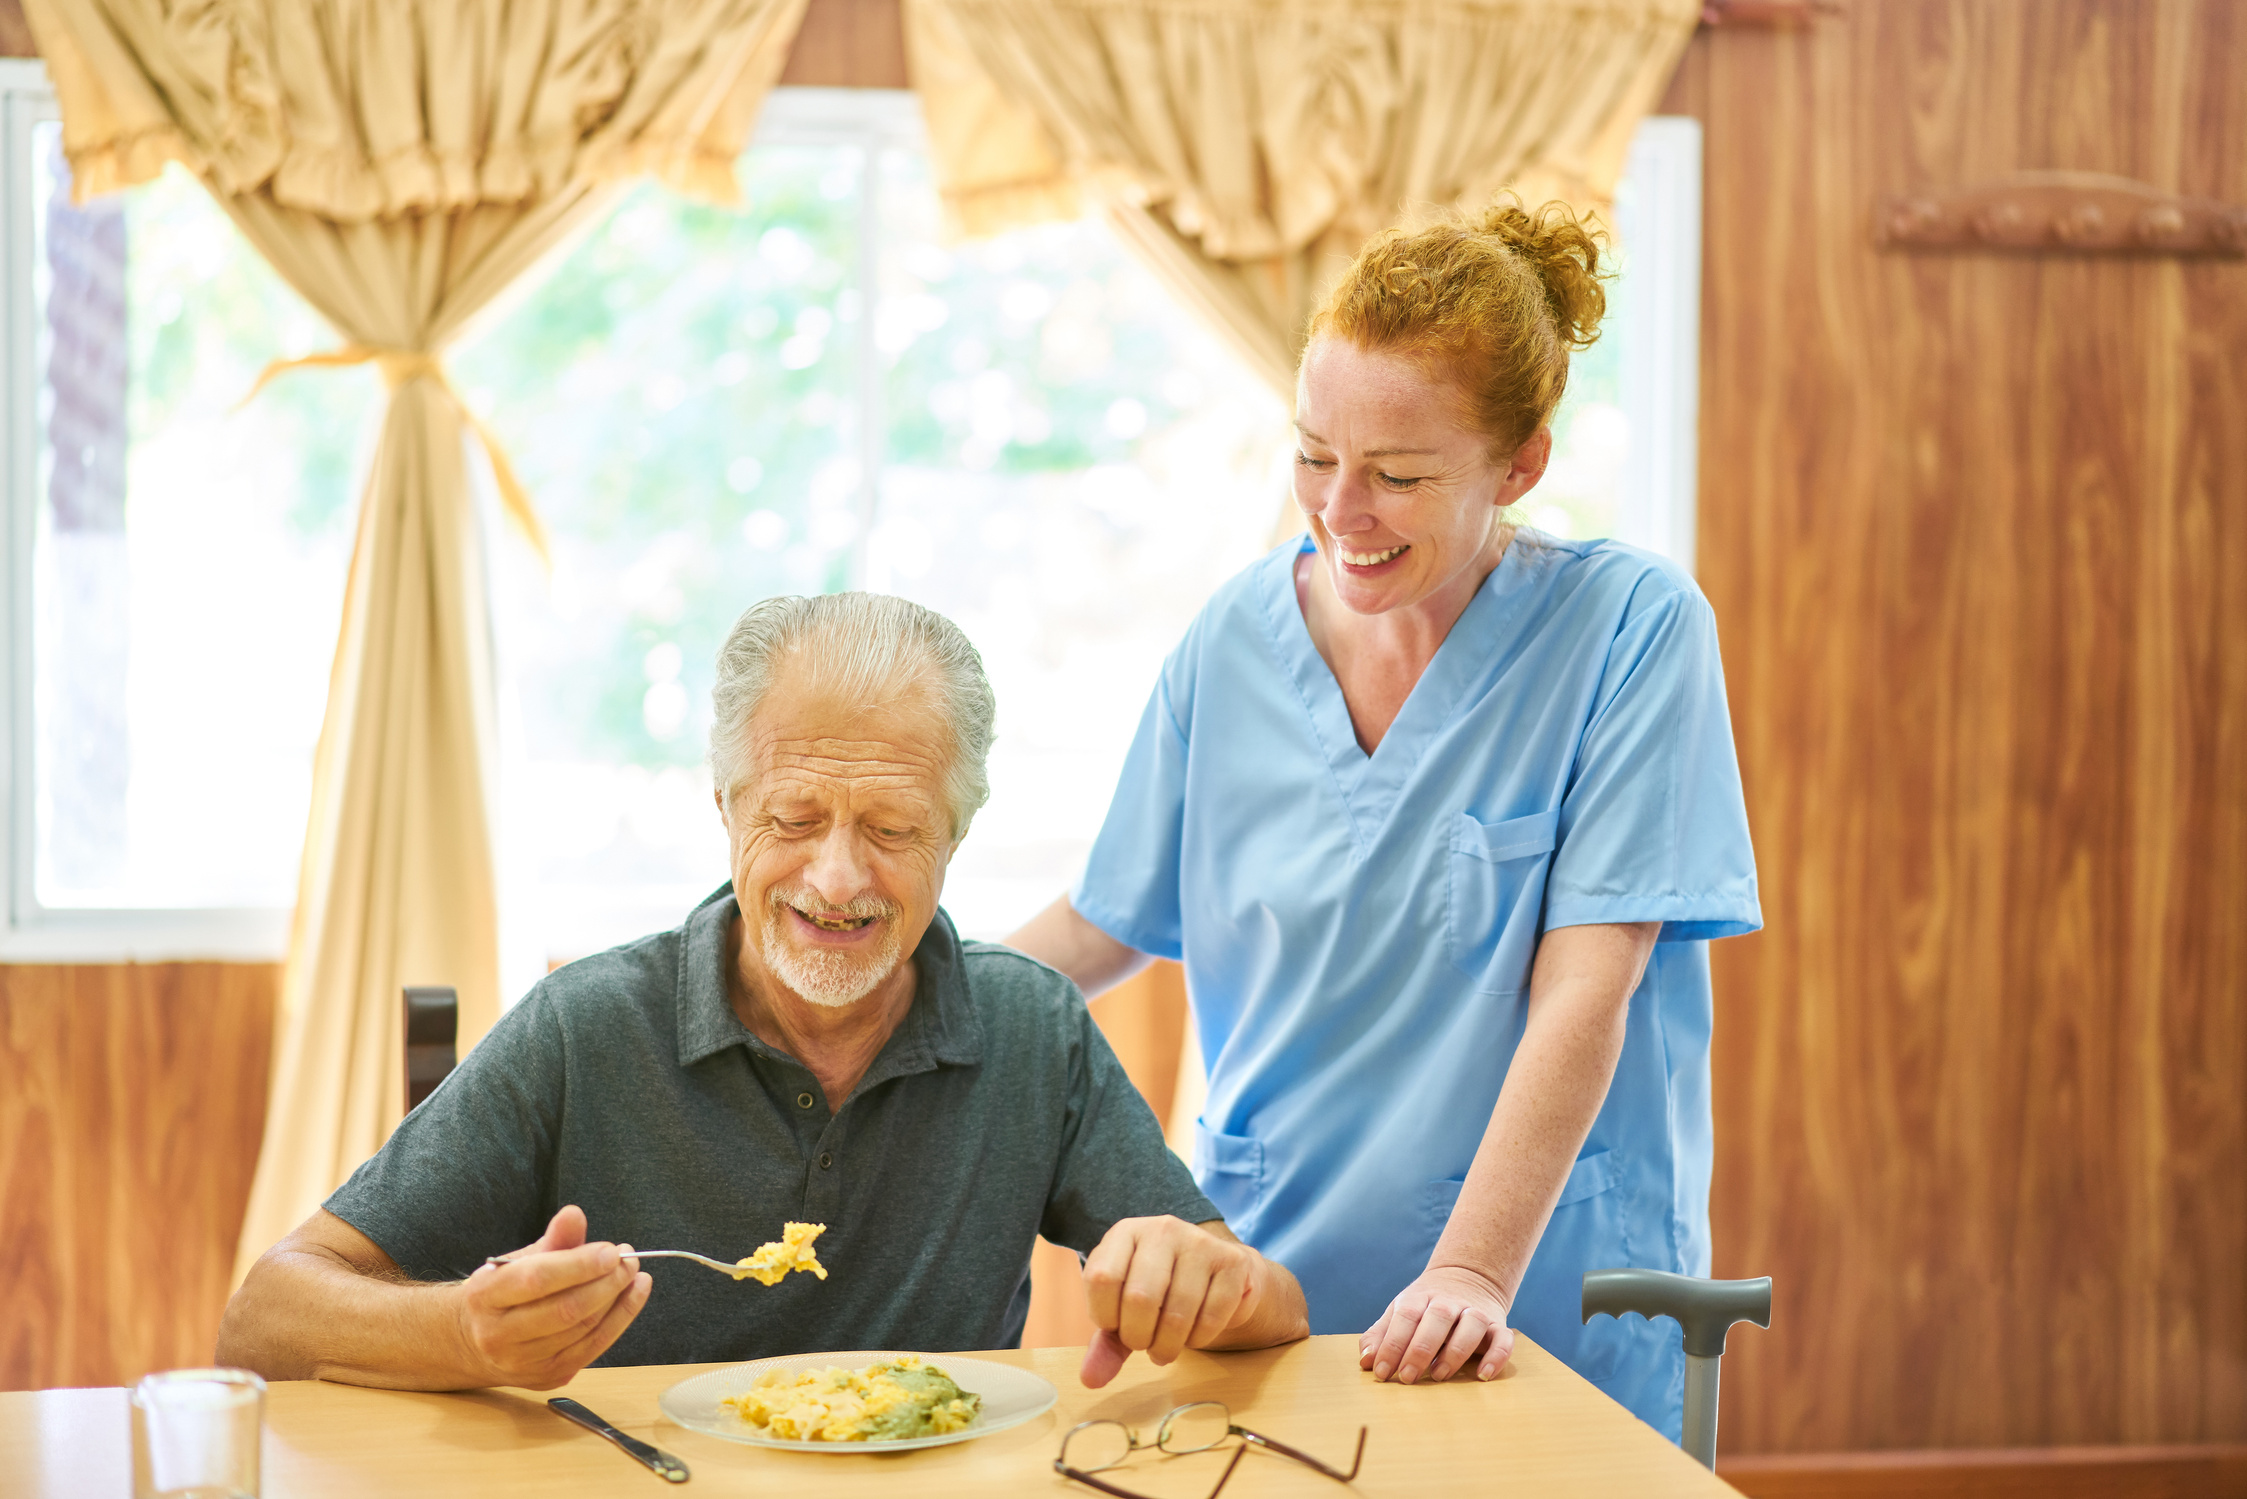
(803, 1100)
(826, 1160)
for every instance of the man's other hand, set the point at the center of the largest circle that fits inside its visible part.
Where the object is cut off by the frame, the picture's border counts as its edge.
(555, 1308)
(1163, 1285)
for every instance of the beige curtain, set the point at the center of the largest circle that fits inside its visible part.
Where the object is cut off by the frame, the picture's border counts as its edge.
(400, 163)
(1245, 149)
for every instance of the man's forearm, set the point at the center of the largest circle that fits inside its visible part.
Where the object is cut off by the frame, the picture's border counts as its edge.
(1276, 1310)
(305, 1313)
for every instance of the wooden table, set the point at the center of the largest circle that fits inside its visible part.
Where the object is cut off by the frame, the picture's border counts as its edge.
(1538, 1429)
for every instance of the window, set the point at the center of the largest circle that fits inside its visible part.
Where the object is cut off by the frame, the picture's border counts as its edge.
(1623, 440)
(818, 391)
(1658, 210)
(814, 391)
(161, 728)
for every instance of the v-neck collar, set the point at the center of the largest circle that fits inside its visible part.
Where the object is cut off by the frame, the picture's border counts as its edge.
(1370, 785)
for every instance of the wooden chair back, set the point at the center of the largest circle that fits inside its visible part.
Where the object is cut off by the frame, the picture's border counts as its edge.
(432, 1028)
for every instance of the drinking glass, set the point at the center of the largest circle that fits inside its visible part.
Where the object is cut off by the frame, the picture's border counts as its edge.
(195, 1434)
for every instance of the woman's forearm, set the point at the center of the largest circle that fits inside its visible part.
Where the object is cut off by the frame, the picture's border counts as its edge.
(1060, 938)
(1580, 994)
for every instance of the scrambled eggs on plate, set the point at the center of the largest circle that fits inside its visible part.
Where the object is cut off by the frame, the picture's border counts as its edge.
(901, 1398)
(792, 1252)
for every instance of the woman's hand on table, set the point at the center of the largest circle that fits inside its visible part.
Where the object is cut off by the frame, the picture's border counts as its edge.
(1448, 1318)
(1579, 1000)
(1163, 1285)
(555, 1308)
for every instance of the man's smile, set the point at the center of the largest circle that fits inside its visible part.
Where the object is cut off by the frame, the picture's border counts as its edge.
(838, 923)
(814, 923)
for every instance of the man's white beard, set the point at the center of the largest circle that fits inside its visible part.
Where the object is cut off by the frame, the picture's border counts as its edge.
(821, 976)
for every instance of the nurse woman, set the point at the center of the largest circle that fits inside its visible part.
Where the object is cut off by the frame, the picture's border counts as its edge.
(1440, 814)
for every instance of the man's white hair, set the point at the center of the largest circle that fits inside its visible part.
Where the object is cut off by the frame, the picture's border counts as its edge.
(861, 647)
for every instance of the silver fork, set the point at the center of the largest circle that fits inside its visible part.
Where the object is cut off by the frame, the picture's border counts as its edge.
(655, 1254)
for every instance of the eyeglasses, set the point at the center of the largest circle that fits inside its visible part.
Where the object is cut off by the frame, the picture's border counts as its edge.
(1097, 1446)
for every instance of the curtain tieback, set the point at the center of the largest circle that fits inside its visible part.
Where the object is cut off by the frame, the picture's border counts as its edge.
(400, 366)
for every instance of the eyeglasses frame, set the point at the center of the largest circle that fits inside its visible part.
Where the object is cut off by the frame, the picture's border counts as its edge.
(1105, 1487)
(1248, 1438)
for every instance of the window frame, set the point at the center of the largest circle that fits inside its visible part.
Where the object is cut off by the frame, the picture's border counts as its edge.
(1659, 217)
(33, 931)
(871, 120)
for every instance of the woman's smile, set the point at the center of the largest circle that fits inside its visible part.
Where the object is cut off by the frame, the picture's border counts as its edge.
(1366, 564)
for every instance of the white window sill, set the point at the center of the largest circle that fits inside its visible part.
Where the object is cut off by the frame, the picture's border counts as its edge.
(113, 936)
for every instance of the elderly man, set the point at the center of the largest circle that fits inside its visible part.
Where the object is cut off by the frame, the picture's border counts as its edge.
(814, 1043)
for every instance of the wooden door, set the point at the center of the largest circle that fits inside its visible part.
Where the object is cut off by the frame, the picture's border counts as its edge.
(1975, 529)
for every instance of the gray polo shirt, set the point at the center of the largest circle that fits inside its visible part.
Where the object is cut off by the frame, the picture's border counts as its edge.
(625, 1084)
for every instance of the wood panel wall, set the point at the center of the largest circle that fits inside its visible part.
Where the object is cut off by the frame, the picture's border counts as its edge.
(2203, 1471)
(1975, 529)
(131, 1102)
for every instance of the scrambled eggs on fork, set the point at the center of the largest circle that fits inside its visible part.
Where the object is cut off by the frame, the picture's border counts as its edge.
(793, 1251)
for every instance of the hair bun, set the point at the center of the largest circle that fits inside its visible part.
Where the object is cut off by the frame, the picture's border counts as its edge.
(1490, 302)
(1564, 250)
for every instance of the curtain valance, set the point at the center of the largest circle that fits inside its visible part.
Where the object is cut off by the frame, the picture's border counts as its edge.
(1248, 147)
(359, 111)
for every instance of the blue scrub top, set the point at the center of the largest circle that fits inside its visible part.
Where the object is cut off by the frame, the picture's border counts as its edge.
(1357, 930)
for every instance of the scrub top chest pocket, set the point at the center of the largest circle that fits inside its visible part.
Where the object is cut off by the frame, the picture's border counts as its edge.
(1497, 896)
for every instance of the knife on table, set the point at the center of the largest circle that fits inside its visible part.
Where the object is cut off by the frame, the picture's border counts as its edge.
(663, 1463)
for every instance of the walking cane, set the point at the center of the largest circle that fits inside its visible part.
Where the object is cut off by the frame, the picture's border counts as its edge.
(1706, 1309)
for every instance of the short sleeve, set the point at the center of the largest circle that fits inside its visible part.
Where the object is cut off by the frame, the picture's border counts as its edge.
(1654, 826)
(1129, 888)
(468, 1173)
(1114, 1164)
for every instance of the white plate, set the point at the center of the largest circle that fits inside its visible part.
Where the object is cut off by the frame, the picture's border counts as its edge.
(1011, 1396)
